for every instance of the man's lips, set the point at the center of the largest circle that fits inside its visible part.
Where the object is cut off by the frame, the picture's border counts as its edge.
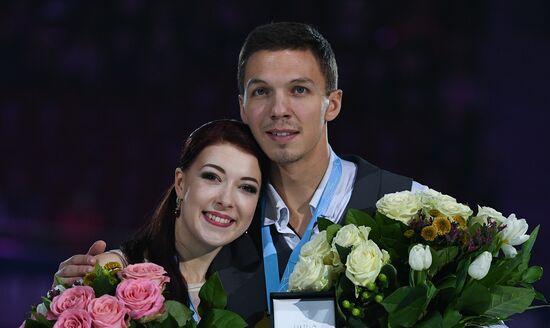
(281, 134)
(218, 219)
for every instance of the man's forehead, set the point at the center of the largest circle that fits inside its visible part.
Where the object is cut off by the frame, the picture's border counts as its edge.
(295, 65)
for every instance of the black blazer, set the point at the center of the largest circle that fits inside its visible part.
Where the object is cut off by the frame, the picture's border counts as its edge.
(240, 263)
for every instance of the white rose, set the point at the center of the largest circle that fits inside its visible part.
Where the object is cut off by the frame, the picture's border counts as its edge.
(317, 246)
(452, 209)
(347, 236)
(485, 212)
(310, 274)
(420, 257)
(479, 268)
(364, 232)
(364, 263)
(400, 206)
(431, 198)
(41, 309)
(513, 235)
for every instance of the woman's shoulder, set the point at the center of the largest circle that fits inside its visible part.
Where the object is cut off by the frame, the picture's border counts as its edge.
(113, 255)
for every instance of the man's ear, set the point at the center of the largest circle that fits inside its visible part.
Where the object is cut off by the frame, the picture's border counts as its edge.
(179, 182)
(241, 109)
(334, 105)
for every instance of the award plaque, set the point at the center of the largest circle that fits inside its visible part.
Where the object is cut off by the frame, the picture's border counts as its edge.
(303, 310)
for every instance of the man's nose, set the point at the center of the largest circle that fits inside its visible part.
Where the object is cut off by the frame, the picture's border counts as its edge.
(280, 106)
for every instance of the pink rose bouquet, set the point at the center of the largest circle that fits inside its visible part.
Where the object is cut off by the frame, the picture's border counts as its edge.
(112, 297)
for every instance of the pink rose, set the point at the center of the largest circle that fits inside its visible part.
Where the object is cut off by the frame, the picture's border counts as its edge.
(148, 270)
(74, 318)
(77, 297)
(107, 312)
(142, 297)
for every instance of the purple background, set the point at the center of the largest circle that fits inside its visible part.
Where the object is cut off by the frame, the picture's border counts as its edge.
(96, 98)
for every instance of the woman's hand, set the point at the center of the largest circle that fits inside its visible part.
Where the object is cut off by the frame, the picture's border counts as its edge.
(77, 266)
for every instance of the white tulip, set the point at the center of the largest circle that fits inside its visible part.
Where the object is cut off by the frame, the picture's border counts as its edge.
(420, 257)
(480, 266)
(513, 234)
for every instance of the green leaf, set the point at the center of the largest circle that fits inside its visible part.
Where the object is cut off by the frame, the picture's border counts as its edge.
(212, 295)
(179, 312)
(506, 300)
(433, 321)
(323, 223)
(218, 318)
(104, 282)
(532, 274)
(540, 297)
(359, 218)
(406, 305)
(475, 299)
(343, 252)
(391, 273)
(462, 273)
(442, 257)
(331, 232)
(356, 323)
(451, 317)
(29, 323)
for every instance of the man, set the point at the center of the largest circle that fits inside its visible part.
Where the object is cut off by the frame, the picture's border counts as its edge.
(288, 93)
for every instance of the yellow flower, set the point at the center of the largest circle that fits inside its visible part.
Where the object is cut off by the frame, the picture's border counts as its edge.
(112, 267)
(434, 213)
(89, 278)
(409, 233)
(442, 225)
(460, 220)
(429, 233)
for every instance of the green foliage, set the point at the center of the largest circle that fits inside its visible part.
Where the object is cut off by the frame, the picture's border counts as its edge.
(218, 318)
(103, 282)
(212, 295)
(323, 223)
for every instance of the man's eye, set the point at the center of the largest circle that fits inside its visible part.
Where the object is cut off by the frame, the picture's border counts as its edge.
(210, 176)
(249, 188)
(300, 90)
(259, 92)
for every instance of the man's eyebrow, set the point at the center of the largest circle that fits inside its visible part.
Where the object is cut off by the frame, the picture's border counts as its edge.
(302, 80)
(255, 81)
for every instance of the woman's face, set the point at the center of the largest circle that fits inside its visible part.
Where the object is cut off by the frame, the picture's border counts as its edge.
(220, 191)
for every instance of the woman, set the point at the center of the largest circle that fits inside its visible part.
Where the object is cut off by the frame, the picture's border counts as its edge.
(211, 203)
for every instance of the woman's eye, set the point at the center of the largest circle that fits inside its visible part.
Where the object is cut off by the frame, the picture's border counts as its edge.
(210, 176)
(250, 189)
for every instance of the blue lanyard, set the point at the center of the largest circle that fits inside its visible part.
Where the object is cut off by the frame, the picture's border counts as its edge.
(271, 264)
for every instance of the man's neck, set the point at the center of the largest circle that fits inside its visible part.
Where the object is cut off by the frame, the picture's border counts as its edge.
(296, 183)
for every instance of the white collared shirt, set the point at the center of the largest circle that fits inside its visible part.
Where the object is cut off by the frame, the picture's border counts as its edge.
(277, 213)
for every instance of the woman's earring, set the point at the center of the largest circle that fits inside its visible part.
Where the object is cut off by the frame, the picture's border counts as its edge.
(178, 207)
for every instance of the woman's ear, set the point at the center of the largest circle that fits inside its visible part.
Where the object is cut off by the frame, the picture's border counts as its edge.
(179, 182)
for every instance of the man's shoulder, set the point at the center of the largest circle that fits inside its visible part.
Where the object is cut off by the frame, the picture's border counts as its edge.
(365, 168)
(372, 182)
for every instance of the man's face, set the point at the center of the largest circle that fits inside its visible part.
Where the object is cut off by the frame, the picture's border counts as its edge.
(286, 105)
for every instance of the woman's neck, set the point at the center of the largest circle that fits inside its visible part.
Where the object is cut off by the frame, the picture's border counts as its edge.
(195, 263)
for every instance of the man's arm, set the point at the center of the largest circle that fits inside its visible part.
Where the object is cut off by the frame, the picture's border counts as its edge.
(77, 266)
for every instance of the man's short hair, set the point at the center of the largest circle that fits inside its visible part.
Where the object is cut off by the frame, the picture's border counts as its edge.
(294, 36)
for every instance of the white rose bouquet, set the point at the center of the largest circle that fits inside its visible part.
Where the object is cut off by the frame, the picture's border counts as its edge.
(423, 260)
